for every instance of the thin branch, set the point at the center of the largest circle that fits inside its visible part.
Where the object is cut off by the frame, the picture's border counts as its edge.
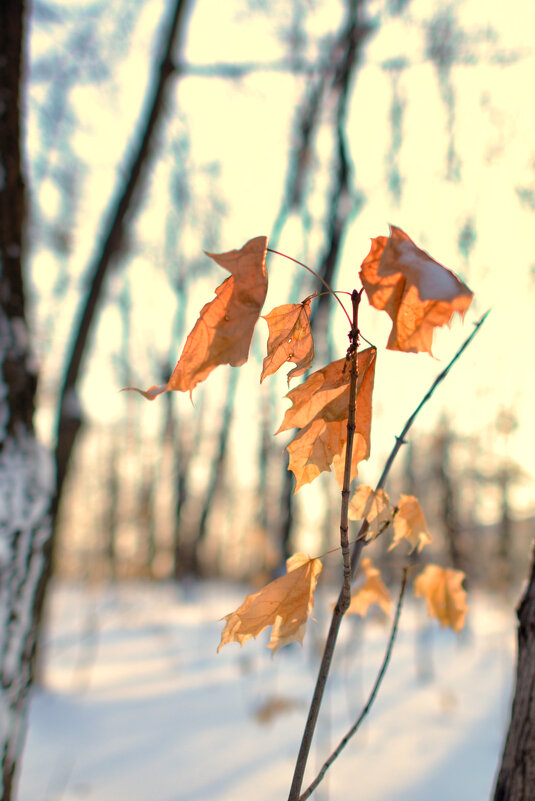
(369, 703)
(400, 440)
(233, 71)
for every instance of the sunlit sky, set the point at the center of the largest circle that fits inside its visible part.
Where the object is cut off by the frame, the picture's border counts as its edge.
(245, 127)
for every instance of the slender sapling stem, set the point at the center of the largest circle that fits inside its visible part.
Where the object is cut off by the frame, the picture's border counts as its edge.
(366, 708)
(345, 592)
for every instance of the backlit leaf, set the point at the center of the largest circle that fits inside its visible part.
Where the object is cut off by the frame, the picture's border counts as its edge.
(418, 293)
(370, 591)
(290, 339)
(410, 523)
(320, 410)
(284, 604)
(223, 332)
(374, 507)
(444, 595)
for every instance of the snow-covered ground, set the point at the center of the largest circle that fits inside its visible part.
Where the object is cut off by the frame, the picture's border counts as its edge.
(137, 706)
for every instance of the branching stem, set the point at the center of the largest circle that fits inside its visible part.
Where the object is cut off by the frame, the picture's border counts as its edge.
(366, 708)
(339, 609)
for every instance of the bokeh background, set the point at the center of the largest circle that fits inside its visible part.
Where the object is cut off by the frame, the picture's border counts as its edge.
(316, 124)
(156, 130)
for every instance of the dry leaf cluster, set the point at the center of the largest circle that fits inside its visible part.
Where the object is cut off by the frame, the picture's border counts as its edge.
(419, 295)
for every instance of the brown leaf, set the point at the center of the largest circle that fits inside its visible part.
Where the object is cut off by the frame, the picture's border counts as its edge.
(371, 591)
(444, 595)
(410, 523)
(374, 507)
(418, 293)
(320, 410)
(284, 604)
(223, 332)
(290, 339)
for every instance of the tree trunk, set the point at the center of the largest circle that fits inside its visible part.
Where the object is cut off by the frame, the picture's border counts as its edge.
(114, 234)
(26, 476)
(516, 777)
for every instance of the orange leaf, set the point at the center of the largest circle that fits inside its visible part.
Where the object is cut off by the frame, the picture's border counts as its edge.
(290, 339)
(284, 604)
(320, 410)
(418, 293)
(375, 507)
(223, 332)
(371, 591)
(444, 595)
(410, 523)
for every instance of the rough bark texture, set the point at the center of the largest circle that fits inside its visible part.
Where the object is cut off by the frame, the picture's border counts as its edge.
(25, 469)
(516, 777)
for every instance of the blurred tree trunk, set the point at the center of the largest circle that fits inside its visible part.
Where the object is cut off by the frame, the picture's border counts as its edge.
(113, 240)
(516, 777)
(25, 469)
(448, 489)
(333, 91)
(217, 469)
(111, 512)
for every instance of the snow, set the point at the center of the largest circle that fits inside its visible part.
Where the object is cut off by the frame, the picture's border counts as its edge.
(137, 704)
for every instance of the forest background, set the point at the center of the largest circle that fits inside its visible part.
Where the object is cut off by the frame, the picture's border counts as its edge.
(156, 131)
(318, 123)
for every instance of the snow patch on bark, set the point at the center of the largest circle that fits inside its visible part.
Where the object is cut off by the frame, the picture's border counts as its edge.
(26, 483)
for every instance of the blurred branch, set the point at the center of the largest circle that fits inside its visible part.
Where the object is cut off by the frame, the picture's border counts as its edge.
(225, 69)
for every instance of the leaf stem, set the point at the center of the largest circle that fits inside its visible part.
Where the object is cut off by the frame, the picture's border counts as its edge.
(310, 270)
(366, 708)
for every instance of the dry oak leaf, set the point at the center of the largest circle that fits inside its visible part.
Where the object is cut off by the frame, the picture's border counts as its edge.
(320, 409)
(444, 595)
(410, 523)
(418, 293)
(290, 339)
(374, 507)
(223, 332)
(371, 591)
(284, 604)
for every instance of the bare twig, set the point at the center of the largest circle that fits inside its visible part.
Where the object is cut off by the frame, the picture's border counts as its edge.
(400, 439)
(366, 708)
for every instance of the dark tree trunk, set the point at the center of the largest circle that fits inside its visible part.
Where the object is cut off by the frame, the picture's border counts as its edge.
(25, 469)
(334, 85)
(216, 479)
(115, 232)
(516, 777)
